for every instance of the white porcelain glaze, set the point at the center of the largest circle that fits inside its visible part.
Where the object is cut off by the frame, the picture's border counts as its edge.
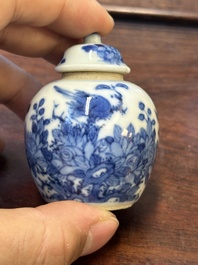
(93, 138)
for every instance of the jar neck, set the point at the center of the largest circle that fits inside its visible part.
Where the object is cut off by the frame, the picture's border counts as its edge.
(92, 76)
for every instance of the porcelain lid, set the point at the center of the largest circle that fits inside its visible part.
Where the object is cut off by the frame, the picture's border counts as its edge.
(92, 56)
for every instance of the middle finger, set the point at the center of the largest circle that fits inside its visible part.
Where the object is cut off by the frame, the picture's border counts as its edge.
(34, 42)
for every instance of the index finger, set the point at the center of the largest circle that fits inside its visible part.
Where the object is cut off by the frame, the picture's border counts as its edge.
(71, 18)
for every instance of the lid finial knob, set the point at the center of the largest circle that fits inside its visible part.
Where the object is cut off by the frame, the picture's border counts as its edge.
(93, 38)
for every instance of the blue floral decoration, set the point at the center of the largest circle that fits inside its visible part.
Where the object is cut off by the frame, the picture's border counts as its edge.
(107, 53)
(78, 164)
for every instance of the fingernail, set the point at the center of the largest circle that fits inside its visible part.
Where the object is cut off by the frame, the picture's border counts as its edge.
(111, 18)
(99, 234)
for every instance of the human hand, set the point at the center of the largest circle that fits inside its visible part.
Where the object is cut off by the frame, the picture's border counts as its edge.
(57, 233)
(42, 29)
(53, 234)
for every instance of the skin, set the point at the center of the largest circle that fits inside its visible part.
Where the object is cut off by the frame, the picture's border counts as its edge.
(56, 233)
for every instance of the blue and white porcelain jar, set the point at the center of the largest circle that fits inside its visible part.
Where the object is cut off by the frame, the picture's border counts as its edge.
(91, 136)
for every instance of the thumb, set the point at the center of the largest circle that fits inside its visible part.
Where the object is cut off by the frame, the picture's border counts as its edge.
(84, 229)
(58, 233)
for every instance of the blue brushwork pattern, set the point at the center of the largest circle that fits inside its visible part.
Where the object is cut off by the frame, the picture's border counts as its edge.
(108, 54)
(78, 164)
